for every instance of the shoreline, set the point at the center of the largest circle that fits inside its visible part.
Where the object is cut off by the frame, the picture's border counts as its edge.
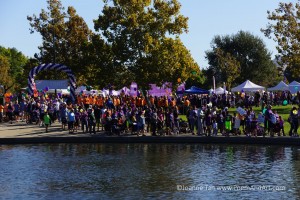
(20, 133)
(289, 141)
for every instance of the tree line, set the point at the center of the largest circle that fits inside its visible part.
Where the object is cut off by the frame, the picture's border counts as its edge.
(140, 41)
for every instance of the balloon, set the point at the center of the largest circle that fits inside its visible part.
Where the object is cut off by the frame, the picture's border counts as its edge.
(46, 88)
(285, 102)
(264, 110)
(295, 112)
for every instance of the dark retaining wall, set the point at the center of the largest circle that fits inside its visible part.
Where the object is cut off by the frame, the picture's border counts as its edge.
(148, 139)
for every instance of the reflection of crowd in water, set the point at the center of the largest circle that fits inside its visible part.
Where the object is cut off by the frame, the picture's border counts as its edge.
(206, 114)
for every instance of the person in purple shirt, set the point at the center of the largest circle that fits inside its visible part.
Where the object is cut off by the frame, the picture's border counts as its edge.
(16, 110)
(84, 120)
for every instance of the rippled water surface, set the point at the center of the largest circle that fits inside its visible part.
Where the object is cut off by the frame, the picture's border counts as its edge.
(149, 171)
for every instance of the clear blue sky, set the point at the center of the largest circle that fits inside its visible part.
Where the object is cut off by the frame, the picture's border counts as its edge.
(207, 18)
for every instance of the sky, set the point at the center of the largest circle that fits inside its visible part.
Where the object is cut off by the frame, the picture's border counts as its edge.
(207, 18)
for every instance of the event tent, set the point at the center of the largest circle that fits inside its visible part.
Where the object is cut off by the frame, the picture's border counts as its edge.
(281, 86)
(219, 90)
(247, 86)
(195, 90)
(294, 87)
(82, 89)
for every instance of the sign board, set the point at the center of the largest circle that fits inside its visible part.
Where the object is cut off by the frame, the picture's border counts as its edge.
(260, 118)
(241, 111)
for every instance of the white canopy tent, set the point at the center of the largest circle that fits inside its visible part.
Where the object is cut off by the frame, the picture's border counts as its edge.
(62, 91)
(247, 86)
(281, 86)
(124, 90)
(294, 87)
(82, 89)
(219, 90)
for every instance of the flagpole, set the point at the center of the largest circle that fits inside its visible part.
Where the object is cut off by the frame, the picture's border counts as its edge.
(214, 84)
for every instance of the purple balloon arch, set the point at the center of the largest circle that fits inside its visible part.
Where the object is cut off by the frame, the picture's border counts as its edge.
(51, 66)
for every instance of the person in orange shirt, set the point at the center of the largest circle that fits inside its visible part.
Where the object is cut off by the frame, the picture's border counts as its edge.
(91, 100)
(133, 100)
(144, 102)
(1, 112)
(86, 102)
(115, 101)
(152, 100)
(79, 100)
(187, 103)
(173, 102)
(100, 101)
(139, 102)
(118, 101)
(166, 102)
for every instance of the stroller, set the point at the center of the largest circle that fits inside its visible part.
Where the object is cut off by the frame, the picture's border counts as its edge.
(183, 126)
(117, 128)
(34, 117)
(276, 128)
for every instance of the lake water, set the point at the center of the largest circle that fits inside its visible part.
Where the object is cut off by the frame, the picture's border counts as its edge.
(149, 171)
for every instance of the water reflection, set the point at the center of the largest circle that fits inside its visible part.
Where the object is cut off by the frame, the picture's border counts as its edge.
(146, 170)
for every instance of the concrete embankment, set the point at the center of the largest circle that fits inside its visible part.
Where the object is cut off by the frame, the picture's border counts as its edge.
(32, 134)
(150, 139)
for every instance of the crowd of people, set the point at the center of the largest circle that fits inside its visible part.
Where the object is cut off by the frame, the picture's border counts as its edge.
(205, 114)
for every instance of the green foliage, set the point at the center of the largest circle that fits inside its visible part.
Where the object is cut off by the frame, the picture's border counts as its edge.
(284, 28)
(66, 40)
(141, 43)
(228, 65)
(236, 58)
(12, 68)
(144, 41)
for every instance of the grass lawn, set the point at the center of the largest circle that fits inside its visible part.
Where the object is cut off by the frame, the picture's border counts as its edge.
(283, 111)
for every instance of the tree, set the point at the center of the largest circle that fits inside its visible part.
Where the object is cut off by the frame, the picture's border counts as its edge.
(236, 58)
(229, 66)
(285, 28)
(65, 38)
(12, 68)
(5, 78)
(144, 41)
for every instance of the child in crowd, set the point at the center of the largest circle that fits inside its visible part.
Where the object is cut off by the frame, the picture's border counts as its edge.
(46, 121)
(215, 127)
(281, 125)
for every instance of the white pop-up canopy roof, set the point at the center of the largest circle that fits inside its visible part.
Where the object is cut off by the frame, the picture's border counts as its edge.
(247, 86)
(294, 87)
(219, 90)
(281, 86)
